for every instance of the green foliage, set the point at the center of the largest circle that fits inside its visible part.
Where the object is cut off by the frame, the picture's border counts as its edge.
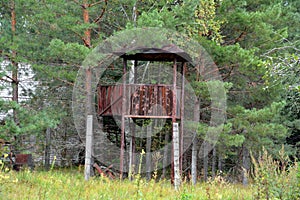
(291, 112)
(30, 121)
(227, 138)
(6, 177)
(255, 19)
(71, 53)
(157, 18)
(193, 17)
(259, 30)
(276, 179)
(260, 127)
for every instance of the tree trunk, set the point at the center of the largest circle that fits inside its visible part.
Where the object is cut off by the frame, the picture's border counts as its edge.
(195, 143)
(48, 149)
(213, 165)
(87, 42)
(64, 161)
(165, 159)
(220, 163)
(87, 33)
(15, 70)
(131, 153)
(246, 164)
(194, 161)
(134, 13)
(205, 160)
(148, 152)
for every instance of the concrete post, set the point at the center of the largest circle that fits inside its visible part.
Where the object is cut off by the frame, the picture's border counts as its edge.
(88, 147)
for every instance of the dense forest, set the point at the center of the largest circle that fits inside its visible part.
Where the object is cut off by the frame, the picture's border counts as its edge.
(254, 43)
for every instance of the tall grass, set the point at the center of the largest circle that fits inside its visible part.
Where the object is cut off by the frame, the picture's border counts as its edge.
(71, 185)
(273, 179)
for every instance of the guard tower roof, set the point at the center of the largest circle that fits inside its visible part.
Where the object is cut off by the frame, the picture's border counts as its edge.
(166, 53)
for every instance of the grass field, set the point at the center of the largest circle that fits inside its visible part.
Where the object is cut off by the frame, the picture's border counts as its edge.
(71, 185)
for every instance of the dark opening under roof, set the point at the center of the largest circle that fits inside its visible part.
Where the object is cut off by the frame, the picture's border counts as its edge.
(166, 53)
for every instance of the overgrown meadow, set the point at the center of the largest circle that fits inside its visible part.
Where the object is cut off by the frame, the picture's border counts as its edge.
(64, 184)
(271, 179)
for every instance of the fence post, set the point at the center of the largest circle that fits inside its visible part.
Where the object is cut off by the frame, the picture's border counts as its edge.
(177, 178)
(88, 147)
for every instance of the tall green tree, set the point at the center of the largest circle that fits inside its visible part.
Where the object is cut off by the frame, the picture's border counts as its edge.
(25, 119)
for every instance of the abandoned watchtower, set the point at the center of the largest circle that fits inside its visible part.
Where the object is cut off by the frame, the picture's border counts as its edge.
(156, 99)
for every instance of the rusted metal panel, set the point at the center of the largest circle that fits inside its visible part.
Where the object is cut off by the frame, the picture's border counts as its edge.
(144, 100)
(23, 160)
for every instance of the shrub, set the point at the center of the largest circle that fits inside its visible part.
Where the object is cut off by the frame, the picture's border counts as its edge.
(276, 179)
